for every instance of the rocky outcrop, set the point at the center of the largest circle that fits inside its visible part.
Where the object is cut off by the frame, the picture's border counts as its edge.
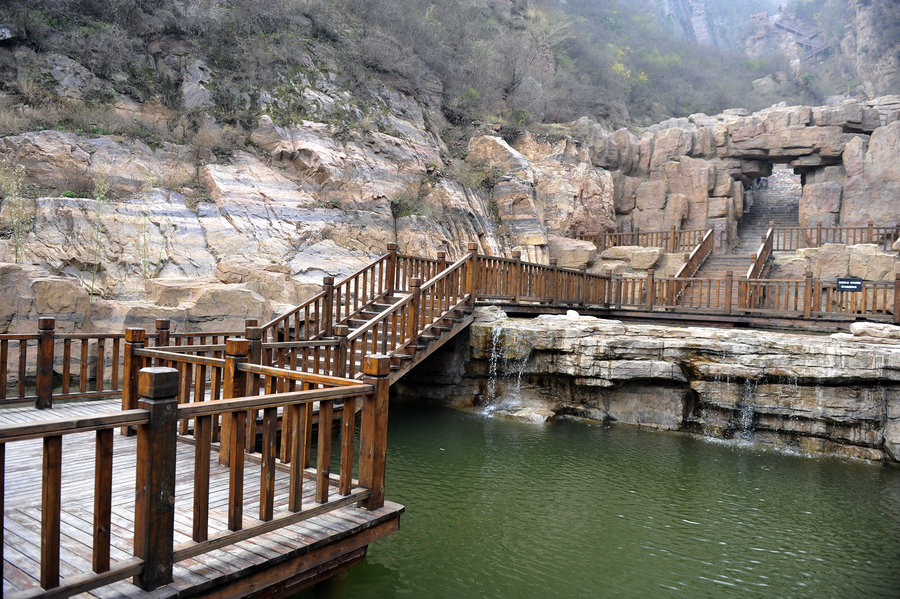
(834, 260)
(544, 189)
(698, 172)
(838, 395)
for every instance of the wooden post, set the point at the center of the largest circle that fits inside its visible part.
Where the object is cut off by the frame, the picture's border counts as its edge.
(818, 234)
(340, 361)
(328, 305)
(650, 289)
(808, 296)
(373, 430)
(134, 340)
(442, 261)
(673, 242)
(163, 335)
(516, 275)
(154, 496)
(234, 384)
(415, 306)
(553, 280)
(870, 232)
(897, 298)
(472, 274)
(254, 356)
(51, 504)
(44, 381)
(582, 281)
(390, 274)
(729, 288)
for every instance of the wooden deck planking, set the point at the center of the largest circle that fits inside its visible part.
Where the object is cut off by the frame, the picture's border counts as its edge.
(23, 501)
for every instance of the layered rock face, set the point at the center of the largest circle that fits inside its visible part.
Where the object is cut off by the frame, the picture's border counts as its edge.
(837, 394)
(698, 172)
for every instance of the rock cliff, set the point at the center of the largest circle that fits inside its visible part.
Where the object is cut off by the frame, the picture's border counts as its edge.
(836, 395)
(121, 220)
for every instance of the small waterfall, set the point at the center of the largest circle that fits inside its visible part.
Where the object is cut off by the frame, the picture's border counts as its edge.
(500, 396)
(493, 365)
(743, 423)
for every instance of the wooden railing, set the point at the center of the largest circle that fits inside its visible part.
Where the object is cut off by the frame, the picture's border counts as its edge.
(159, 415)
(672, 240)
(505, 281)
(795, 238)
(784, 238)
(762, 255)
(397, 328)
(47, 366)
(338, 302)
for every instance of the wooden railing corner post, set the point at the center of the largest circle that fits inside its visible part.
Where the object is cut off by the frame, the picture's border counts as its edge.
(234, 384)
(651, 283)
(582, 285)
(154, 509)
(254, 336)
(134, 340)
(442, 261)
(554, 281)
(163, 331)
(373, 430)
(472, 274)
(415, 308)
(44, 381)
(390, 276)
(673, 242)
(516, 275)
(870, 232)
(729, 288)
(341, 332)
(328, 306)
(818, 234)
(808, 292)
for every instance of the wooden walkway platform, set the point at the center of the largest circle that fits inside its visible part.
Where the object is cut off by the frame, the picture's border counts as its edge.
(234, 570)
(54, 525)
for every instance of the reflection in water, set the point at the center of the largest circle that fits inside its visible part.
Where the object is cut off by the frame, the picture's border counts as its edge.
(497, 508)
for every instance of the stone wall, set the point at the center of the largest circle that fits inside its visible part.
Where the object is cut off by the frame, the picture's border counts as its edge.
(837, 394)
(694, 172)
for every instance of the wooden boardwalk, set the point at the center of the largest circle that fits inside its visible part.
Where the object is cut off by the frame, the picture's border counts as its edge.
(294, 548)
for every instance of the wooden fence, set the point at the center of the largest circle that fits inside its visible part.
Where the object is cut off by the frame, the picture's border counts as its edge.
(671, 241)
(160, 414)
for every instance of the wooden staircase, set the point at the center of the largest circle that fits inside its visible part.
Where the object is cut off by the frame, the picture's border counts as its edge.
(400, 306)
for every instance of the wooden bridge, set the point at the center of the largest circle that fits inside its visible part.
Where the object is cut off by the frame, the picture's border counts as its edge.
(227, 479)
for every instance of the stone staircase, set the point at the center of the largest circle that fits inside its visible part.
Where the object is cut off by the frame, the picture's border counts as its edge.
(776, 202)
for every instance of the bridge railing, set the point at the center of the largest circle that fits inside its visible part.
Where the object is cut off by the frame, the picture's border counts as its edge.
(157, 419)
(795, 238)
(762, 255)
(398, 327)
(503, 281)
(48, 366)
(672, 240)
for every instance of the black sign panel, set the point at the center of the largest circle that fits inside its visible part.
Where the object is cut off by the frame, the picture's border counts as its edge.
(849, 284)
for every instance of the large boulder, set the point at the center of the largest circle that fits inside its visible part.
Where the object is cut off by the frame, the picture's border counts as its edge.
(571, 253)
(873, 180)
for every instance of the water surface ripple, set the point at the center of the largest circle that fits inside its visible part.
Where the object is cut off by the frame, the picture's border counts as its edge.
(497, 508)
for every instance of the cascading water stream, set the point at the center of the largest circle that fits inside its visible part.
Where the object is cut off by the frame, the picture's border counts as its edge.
(744, 421)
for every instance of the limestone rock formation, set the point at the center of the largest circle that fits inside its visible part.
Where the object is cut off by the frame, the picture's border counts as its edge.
(554, 190)
(812, 393)
(698, 172)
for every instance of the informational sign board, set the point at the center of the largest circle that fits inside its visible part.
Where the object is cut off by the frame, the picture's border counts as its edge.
(849, 284)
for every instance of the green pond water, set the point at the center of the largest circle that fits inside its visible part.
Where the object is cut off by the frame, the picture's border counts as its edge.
(496, 508)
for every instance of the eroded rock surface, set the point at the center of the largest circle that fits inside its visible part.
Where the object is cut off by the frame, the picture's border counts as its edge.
(837, 395)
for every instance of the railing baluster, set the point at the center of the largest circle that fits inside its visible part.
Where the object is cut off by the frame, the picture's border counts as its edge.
(103, 462)
(51, 496)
